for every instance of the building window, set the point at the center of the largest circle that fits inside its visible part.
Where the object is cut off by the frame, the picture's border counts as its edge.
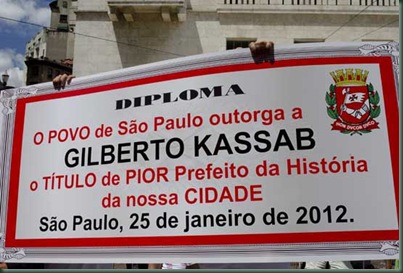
(374, 2)
(63, 19)
(235, 43)
(65, 4)
(303, 2)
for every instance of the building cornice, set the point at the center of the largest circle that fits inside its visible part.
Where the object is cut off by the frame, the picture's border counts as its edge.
(308, 9)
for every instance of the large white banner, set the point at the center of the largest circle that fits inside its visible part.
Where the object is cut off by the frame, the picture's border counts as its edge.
(209, 157)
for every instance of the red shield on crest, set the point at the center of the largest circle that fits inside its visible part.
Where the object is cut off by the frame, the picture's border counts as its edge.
(353, 103)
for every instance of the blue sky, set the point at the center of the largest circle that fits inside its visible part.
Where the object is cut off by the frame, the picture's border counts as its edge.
(14, 36)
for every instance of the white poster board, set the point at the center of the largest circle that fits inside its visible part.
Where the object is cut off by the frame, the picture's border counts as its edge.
(208, 158)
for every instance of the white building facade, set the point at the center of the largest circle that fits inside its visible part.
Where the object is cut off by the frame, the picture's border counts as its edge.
(114, 34)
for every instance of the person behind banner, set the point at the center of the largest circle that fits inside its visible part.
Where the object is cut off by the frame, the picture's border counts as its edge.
(174, 266)
(78, 266)
(217, 266)
(329, 264)
(22, 266)
(261, 50)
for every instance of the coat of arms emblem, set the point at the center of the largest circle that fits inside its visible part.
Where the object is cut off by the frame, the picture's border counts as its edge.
(352, 102)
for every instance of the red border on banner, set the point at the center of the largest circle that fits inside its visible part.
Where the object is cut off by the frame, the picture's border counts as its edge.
(392, 117)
